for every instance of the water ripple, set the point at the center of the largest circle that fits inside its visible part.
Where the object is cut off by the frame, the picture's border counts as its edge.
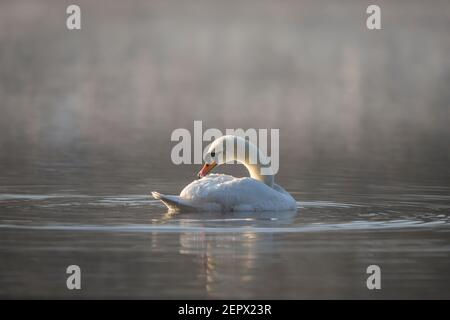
(172, 228)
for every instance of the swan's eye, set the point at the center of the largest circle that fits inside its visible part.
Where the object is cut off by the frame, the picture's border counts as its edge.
(213, 154)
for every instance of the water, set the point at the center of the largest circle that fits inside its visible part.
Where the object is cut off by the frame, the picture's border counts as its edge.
(129, 246)
(86, 118)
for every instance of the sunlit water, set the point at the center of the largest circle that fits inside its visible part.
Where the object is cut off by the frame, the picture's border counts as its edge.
(127, 245)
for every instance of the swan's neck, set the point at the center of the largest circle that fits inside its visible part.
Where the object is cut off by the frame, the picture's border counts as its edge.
(253, 168)
(255, 172)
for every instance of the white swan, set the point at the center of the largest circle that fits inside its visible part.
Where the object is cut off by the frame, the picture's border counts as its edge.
(220, 192)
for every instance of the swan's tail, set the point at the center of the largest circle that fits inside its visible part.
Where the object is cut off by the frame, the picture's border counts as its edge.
(174, 203)
(156, 195)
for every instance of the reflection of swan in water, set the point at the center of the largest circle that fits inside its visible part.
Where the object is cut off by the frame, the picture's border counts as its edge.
(227, 220)
(226, 263)
(224, 254)
(219, 192)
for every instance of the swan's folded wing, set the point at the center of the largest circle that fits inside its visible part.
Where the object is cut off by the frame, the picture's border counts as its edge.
(174, 203)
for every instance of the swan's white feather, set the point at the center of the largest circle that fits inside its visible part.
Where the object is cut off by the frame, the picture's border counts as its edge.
(220, 192)
(175, 203)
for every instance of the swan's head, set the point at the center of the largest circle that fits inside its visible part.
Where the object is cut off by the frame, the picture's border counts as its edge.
(231, 148)
(227, 149)
(216, 154)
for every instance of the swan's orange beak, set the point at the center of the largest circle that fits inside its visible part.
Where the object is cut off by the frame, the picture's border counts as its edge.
(207, 167)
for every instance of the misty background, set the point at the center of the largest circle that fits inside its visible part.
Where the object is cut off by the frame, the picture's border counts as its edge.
(105, 99)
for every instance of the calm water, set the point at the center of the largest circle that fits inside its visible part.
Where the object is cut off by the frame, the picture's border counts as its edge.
(128, 246)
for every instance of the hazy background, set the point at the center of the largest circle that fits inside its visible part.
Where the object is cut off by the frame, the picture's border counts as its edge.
(342, 96)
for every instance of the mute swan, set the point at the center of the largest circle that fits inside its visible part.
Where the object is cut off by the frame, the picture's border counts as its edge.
(220, 192)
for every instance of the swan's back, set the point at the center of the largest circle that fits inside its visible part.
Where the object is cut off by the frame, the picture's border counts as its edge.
(227, 193)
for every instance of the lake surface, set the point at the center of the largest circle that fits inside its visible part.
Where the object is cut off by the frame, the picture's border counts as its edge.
(86, 118)
(128, 246)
